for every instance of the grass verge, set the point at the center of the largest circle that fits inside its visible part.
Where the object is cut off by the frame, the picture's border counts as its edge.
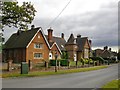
(37, 73)
(112, 85)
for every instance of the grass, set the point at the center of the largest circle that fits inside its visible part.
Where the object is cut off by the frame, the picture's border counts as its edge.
(73, 63)
(37, 73)
(112, 85)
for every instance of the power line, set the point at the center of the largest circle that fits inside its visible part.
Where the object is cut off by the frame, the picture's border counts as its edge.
(59, 14)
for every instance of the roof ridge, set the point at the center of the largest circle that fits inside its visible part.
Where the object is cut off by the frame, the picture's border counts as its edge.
(55, 37)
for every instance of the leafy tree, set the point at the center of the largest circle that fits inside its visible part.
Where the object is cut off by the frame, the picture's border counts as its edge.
(64, 55)
(14, 15)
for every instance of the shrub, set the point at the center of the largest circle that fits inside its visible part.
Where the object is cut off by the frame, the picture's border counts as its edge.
(63, 62)
(53, 62)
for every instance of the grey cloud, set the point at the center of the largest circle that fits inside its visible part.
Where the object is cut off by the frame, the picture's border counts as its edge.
(101, 26)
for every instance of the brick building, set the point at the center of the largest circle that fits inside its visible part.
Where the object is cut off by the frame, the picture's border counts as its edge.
(78, 48)
(32, 45)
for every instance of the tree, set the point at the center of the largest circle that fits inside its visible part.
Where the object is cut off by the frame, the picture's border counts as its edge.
(64, 55)
(14, 15)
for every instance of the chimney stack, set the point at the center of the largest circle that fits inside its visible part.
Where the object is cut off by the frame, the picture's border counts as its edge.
(109, 49)
(78, 36)
(62, 35)
(90, 42)
(106, 47)
(50, 31)
(32, 26)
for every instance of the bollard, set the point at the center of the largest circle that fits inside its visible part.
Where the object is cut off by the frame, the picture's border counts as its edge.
(30, 64)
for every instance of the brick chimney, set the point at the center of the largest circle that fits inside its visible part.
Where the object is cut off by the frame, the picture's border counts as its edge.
(62, 35)
(110, 49)
(50, 31)
(106, 47)
(90, 42)
(78, 36)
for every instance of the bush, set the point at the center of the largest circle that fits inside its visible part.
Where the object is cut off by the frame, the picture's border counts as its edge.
(53, 62)
(63, 62)
(86, 61)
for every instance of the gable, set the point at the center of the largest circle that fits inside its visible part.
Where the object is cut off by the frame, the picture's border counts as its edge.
(106, 53)
(86, 45)
(40, 40)
(59, 41)
(55, 47)
(82, 43)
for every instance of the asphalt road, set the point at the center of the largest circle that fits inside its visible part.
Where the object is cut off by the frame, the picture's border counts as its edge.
(91, 79)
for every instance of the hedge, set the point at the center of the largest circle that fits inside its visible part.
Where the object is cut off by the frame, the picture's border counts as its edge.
(63, 62)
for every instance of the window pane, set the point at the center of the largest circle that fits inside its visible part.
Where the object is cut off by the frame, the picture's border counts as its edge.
(38, 45)
(38, 55)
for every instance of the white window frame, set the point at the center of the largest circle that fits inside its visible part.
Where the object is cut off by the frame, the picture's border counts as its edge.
(38, 55)
(38, 45)
(86, 53)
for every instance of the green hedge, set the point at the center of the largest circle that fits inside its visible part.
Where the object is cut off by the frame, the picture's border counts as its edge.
(53, 62)
(63, 62)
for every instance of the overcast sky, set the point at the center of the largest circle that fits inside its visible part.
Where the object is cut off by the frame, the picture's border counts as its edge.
(96, 19)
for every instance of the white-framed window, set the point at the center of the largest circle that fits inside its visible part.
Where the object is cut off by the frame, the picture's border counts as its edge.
(38, 45)
(38, 55)
(86, 53)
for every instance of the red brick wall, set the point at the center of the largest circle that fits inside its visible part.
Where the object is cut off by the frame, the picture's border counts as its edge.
(31, 50)
(53, 50)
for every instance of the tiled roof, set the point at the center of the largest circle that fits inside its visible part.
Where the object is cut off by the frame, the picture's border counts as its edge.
(81, 42)
(71, 40)
(23, 39)
(20, 40)
(60, 42)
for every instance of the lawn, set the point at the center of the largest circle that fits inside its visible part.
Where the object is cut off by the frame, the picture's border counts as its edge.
(37, 73)
(112, 85)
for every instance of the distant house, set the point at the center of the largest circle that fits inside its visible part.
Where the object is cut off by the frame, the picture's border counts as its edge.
(33, 45)
(78, 48)
(105, 53)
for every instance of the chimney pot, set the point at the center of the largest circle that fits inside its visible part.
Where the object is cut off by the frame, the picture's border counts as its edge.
(90, 42)
(62, 35)
(78, 36)
(32, 26)
(106, 47)
(109, 49)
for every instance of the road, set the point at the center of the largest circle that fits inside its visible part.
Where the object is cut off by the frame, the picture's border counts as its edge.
(91, 79)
